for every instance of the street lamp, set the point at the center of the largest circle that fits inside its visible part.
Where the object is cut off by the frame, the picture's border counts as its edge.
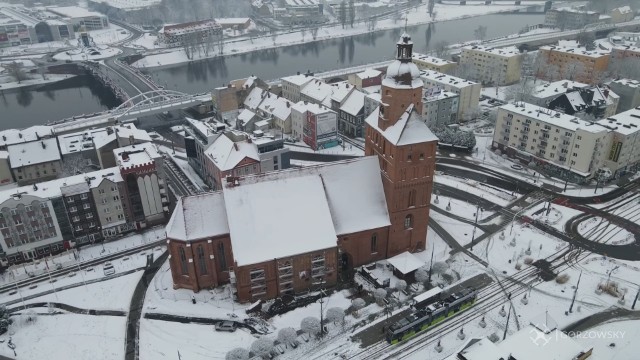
(514, 219)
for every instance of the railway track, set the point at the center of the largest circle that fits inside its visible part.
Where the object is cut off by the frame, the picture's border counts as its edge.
(181, 181)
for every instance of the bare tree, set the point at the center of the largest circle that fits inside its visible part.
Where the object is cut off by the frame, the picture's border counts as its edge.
(480, 32)
(422, 275)
(237, 354)
(335, 315)
(624, 68)
(357, 304)
(310, 325)
(287, 335)
(314, 33)
(573, 70)
(352, 12)
(432, 4)
(303, 32)
(441, 48)
(380, 295)
(343, 14)
(274, 36)
(262, 347)
(401, 285)
(253, 33)
(16, 71)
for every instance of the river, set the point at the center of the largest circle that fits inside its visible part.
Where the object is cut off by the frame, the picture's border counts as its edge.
(83, 95)
(36, 106)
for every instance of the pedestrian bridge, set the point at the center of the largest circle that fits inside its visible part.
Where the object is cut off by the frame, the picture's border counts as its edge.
(145, 104)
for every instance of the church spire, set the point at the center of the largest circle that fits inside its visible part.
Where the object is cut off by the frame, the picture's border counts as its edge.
(405, 48)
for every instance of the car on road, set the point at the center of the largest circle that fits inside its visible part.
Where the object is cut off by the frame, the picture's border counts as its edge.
(517, 167)
(109, 269)
(229, 326)
(58, 266)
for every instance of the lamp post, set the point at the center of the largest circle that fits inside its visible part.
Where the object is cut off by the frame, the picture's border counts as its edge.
(514, 219)
(475, 224)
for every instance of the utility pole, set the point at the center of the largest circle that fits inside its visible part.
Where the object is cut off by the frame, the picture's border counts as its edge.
(431, 266)
(575, 293)
(506, 327)
(475, 224)
(321, 314)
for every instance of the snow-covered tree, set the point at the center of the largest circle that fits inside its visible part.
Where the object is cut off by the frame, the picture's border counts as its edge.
(480, 32)
(439, 267)
(380, 295)
(310, 325)
(5, 320)
(262, 347)
(287, 335)
(357, 304)
(238, 354)
(422, 274)
(16, 71)
(441, 49)
(335, 315)
(401, 285)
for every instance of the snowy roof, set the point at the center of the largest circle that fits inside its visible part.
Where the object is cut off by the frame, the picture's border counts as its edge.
(75, 189)
(445, 79)
(573, 10)
(303, 107)
(298, 80)
(317, 90)
(256, 213)
(430, 59)
(226, 154)
(34, 152)
(301, 2)
(405, 262)
(253, 100)
(131, 131)
(626, 123)
(369, 73)
(627, 82)
(197, 217)
(374, 89)
(189, 27)
(576, 50)
(510, 51)
(76, 142)
(276, 105)
(438, 95)
(623, 9)
(73, 12)
(397, 71)
(409, 129)
(340, 91)
(246, 115)
(556, 88)
(13, 136)
(136, 155)
(52, 189)
(575, 100)
(354, 103)
(231, 21)
(551, 117)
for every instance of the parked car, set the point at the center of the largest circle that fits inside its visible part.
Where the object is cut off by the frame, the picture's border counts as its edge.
(229, 326)
(517, 167)
(109, 269)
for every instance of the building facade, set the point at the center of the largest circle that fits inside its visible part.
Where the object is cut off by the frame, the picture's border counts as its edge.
(292, 86)
(439, 108)
(570, 18)
(468, 91)
(81, 18)
(629, 92)
(81, 212)
(190, 33)
(35, 161)
(493, 66)
(427, 62)
(622, 14)
(572, 63)
(23, 26)
(351, 115)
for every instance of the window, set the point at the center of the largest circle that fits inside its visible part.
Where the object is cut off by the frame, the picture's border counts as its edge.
(76, 218)
(89, 216)
(78, 228)
(43, 205)
(108, 218)
(114, 189)
(221, 257)
(84, 196)
(120, 216)
(421, 156)
(70, 200)
(86, 206)
(183, 261)
(116, 198)
(201, 261)
(412, 198)
(73, 209)
(100, 191)
(374, 243)
(107, 210)
(409, 157)
(408, 221)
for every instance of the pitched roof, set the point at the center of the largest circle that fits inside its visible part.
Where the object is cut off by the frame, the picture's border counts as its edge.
(354, 103)
(409, 129)
(197, 217)
(227, 155)
(253, 100)
(317, 90)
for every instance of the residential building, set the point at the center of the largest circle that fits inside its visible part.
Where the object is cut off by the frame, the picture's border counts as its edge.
(468, 91)
(105, 140)
(80, 210)
(20, 25)
(33, 133)
(493, 66)
(277, 110)
(620, 52)
(314, 124)
(35, 161)
(233, 154)
(543, 94)
(439, 108)
(629, 92)
(340, 92)
(292, 85)
(570, 18)
(371, 102)
(144, 192)
(300, 12)
(190, 32)
(351, 115)
(81, 17)
(234, 23)
(558, 142)
(622, 14)
(622, 153)
(5, 168)
(427, 62)
(108, 193)
(367, 78)
(273, 154)
(231, 97)
(593, 101)
(573, 63)
(215, 238)
(199, 135)
(316, 92)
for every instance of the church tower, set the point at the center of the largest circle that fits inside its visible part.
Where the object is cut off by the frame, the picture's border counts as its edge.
(406, 149)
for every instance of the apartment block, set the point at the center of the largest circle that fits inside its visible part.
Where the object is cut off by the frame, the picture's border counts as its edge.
(629, 92)
(467, 90)
(439, 107)
(35, 161)
(573, 63)
(493, 66)
(570, 18)
(293, 85)
(427, 62)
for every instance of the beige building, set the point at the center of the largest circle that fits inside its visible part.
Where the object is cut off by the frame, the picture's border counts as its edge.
(367, 78)
(493, 66)
(5, 168)
(573, 63)
(621, 14)
(426, 62)
(534, 134)
(468, 91)
(35, 161)
(108, 202)
(293, 85)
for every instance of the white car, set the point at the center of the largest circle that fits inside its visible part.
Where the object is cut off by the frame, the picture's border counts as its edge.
(109, 269)
(517, 167)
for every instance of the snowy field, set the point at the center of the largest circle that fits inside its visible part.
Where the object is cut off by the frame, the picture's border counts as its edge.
(625, 347)
(460, 208)
(7, 83)
(414, 17)
(471, 186)
(558, 215)
(460, 231)
(67, 336)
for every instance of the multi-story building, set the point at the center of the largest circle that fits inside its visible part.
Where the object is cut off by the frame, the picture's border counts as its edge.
(629, 92)
(200, 134)
(367, 78)
(292, 86)
(351, 115)
(468, 91)
(623, 149)
(276, 110)
(24, 26)
(427, 62)
(543, 94)
(314, 124)
(570, 18)
(316, 92)
(144, 195)
(108, 192)
(5, 168)
(81, 17)
(33, 133)
(439, 107)
(593, 101)
(231, 97)
(622, 14)
(81, 211)
(234, 23)
(371, 102)
(215, 238)
(300, 12)
(35, 161)
(273, 154)
(564, 143)
(493, 66)
(573, 63)
(233, 154)
(621, 52)
(190, 32)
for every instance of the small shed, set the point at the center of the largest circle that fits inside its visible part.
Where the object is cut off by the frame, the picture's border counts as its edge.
(405, 264)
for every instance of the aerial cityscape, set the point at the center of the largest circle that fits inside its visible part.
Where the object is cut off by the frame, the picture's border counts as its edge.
(319, 179)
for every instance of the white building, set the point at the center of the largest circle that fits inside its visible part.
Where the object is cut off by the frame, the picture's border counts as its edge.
(20, 25)
(468, 91)
(623, 149)
(292, 86)
(439, 107)
(493, 66)
(81, 17)
(314, 124)
(35, 161)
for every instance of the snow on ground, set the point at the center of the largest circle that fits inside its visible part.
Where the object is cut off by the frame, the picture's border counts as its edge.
(109, 36)
(146, 41)
(348, 149)
(479, 189)
(98, 296)
(67, 259)
(558, 215)
(103, 52)
(600, 337)
(37, 49)
(7, 83)
(601, 230)
(460, 231)
(67, 336)
(460, 208)
(294, 317)
(165, 340)
(414, 17)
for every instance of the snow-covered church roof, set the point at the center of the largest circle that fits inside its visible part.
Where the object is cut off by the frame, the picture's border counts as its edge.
(408, 130)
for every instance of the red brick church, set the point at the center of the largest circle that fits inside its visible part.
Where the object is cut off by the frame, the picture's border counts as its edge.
(294, 230)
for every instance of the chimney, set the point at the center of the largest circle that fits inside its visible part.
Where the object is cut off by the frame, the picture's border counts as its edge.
(298, 72)
(288, 104)
(565, 85)
(20, 135)
(109, 130)
(125, 156)
(43, 145)
(235, 146)
(131, 139)
(606, 93)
